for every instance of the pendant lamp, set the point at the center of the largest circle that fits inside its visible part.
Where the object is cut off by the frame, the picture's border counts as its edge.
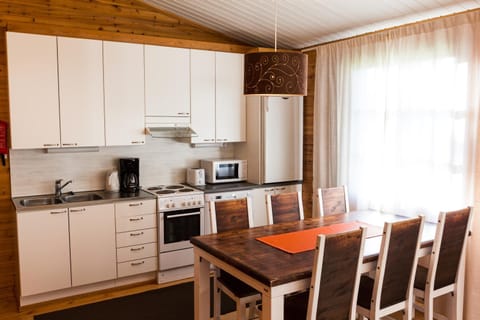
(275, 73)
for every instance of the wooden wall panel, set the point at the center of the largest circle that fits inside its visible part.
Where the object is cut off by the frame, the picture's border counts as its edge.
(119, 20)
(308, 101)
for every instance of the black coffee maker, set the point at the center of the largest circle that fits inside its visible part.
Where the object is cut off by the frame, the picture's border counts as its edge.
(129, 175)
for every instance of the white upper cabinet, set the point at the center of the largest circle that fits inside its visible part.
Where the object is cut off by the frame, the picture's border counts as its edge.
(217, 97)
(33, 91)
(167, 84)
(80, 71)
(230, 117)
(124, 93)
(203, 95)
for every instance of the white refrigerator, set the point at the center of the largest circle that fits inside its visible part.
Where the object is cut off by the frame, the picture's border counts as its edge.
(274, 147)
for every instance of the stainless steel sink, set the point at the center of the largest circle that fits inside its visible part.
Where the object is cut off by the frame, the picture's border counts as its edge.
(40, 202)
(82, 197)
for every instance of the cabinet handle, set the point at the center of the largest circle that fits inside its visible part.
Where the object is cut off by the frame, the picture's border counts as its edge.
(50, 144)
(183, 113)
(58, 212)
(136, 234)
(137, 263)
(137, 249)
(136, 204)
(136, 219)
(69, 144)
(78, 210)
(138, 142)
(207, 140)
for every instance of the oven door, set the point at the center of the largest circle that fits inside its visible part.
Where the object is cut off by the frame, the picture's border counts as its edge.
(178, 226)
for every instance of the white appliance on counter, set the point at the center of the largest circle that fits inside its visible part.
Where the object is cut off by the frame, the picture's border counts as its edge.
(180, 211)
(274, 147)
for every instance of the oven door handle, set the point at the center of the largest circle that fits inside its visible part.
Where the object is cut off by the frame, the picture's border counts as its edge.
(173, 216)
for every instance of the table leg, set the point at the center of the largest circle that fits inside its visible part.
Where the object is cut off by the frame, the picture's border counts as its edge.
(272, 307)
(201, 287)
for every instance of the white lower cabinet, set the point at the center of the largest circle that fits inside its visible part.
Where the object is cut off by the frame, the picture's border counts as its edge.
(43, 251)
(92, 244)
(137, 249)
(260, 201)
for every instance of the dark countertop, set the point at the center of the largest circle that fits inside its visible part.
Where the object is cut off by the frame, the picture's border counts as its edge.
(238, 186)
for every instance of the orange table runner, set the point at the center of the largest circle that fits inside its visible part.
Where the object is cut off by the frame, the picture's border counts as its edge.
(305, 240)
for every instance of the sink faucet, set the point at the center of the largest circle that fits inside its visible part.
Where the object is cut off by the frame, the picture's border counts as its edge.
(59, 187)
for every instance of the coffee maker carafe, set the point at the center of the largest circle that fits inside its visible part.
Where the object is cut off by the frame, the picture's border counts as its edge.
(129, 175)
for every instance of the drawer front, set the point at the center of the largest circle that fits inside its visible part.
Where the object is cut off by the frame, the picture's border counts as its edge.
(139, 251)
(130, 238)
(136, 222)
(137, 266)
(135, 208)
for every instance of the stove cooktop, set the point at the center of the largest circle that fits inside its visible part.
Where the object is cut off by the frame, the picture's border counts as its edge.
(172, 190)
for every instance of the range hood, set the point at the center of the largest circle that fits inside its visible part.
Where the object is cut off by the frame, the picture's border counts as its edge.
(169, 127)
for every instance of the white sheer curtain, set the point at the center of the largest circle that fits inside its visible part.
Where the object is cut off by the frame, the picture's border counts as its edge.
(396, 116)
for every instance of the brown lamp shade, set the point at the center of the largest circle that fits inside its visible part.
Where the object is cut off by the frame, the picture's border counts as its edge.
(275, 74)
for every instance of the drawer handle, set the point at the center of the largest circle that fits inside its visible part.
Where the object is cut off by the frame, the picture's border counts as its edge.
(137, 249)
(50, 144)
(69, 144)
(58, 212)
(135, 204)
(78, 210)
(133, 264)
(138, 142)
(136, 219)
(136, 234)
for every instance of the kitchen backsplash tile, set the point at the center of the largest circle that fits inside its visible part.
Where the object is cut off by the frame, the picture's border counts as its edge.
(34, 172)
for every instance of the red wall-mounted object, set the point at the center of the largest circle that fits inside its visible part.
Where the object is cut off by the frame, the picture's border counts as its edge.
(3, 140)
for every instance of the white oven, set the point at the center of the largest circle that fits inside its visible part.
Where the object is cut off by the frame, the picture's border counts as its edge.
(180, 213)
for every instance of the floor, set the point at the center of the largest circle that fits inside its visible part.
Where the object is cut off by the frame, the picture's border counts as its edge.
(8, 306)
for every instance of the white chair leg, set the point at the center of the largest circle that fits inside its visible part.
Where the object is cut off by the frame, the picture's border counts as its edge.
(428, 306)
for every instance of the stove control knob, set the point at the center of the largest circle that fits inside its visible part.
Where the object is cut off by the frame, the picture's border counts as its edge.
(167, 205)
(183, 204)
(173, 205)
(188, 203)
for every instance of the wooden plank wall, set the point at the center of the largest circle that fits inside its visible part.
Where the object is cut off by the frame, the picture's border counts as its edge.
(307, 187)
(119, 20)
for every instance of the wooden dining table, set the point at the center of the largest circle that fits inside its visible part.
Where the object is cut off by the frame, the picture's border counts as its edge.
(274, 272)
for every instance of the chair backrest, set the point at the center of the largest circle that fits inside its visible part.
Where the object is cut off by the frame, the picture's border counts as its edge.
(335, 276)
(227, 215)
(284, 207)
(397, 262)
(449, 246)
(333, 200)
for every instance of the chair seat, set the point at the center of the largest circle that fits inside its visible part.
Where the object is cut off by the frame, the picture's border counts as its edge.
(421, 278)
(237, 287)
(365, 292)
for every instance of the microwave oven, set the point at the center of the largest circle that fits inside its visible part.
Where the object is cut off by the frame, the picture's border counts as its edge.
(220, 171)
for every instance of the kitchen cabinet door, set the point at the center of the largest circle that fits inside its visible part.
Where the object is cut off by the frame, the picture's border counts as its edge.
(203, 95)
(167, 83)
(80, 72)
(43, 251)
(92, 244)
(33, 91)
(124, 93)
(230, 116)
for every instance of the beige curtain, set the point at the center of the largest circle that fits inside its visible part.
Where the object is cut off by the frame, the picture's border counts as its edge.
(396, 119)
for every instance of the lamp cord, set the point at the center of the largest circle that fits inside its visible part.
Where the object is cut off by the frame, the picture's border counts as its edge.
(276, 13)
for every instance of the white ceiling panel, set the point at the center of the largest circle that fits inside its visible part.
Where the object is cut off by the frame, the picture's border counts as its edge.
(304, 23)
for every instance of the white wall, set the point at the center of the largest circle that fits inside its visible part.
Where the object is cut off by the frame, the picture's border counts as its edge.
(162, 160)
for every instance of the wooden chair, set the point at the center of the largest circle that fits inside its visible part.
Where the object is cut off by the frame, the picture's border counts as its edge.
(335, 277)
(448, 250)
(392, 288)
(230, 215)
(284, 207)
(333, 200)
